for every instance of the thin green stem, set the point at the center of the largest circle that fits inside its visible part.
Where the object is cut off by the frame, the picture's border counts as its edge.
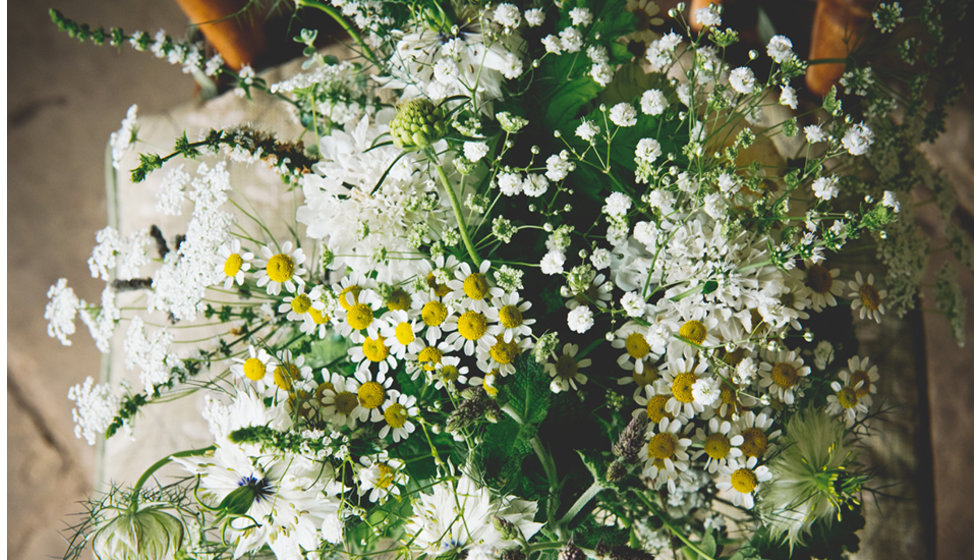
(157, 466)
(669, 525)
(581, 502)
(456, 209)
(330, 11)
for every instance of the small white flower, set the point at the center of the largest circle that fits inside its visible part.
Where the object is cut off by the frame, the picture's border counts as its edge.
(551, 44)
(787, 97)
(825, 188)
(587, 130)
(580, 319)
(474, 151)
(708, 16)
(823, 354)
(653, 102)
(553, 262)
(814, 133)
(571, 39)
(510, 184)
(857, 139)
(742, 80)
(780, 48)
(580, 16)
(558, 166)
(889, 199)
(633, 304)
(534, 16)
(647, 150)
(715, 205)
(622, 114)
(61, 311)
(507, 15)
(617, 205)
(601, 258)
(535, 184)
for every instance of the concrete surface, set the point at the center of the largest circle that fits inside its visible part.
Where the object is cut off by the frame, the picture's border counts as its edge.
(65, 98)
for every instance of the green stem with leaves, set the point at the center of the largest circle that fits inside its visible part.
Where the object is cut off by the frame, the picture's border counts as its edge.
(330, 11)
(456, 208)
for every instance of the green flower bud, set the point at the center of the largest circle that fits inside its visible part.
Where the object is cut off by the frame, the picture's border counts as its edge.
(417, 125)
(148, 534)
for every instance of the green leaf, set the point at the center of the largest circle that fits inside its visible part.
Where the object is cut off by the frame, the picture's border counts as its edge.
(595, 462)
(708, 545)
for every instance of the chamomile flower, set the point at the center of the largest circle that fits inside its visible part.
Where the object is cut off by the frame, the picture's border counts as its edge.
(566, 371)
(740, 483)
(339, 401)
(448, 373)
(472, 289)
(470, 329)
(380, 478)
(720, 445)
(287, 371)
(824, 286)
(255, 367)
(691, 329)
(499, 354)
(370, 394)
(359, 315)
(852, 393)
(666, 453)
(510, 319)
(437, 273)
(783, 374)
(235, 263)
(427, 359)
(754, 429)
(374, 351)
(630, 337)
(282, 268)
(437, 317)
(866, 298)
(401, 334)
(398, 410)
(654, 404)
(297, 306)
(597, 292)
(680, 379)
(317, 318)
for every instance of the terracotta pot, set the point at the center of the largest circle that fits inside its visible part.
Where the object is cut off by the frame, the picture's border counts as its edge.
(239, 39)
(838, 27)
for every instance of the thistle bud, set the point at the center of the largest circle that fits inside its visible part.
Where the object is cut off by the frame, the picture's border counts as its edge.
(148, 534)
(508, 531)
(616, 471)
(571, 552)
(631, 440)
(417, 124)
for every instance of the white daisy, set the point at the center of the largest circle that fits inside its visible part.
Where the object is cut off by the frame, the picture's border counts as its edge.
(398, 410)
(783, 374)
(679, 380)
(370, 395)
(472, 289)
(236, 263)
(401, 334)
(666, 453)
(824, 286)
(740, 483)
(566, 371)
(510, 319)
(866, 298)
(448, 373)
(282, 268)
(720, 445)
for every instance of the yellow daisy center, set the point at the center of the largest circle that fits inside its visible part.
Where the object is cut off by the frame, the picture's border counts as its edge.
(233, 264)
(818, 279)
(683, 387)
(434, 313)
(847, 397)
(694, 332)
(318, 316)
(472, 325)
(371, 394)
(386, 474)
(475, 286)
(870, 298)
(449, 373)
(280, 268)
(637, 346)
(396, 415)
(487, 379)
(429, 357)
(566, 367)
(342, 297)
(404, 333)
(301, 304)
(861, 376)
(647, 376)
(359, 316)
(717, 446)
(754, 442)
(375, 349)
(284, 375)
(511, 317)
(440, 289)
(254, 369)
(345, 402)
(504, 352)
(657, 408)
(785, 375)
(744, 481)
(662, 446)
(399, 300)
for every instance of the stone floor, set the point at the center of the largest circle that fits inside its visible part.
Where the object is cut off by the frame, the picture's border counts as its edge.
(64, 99)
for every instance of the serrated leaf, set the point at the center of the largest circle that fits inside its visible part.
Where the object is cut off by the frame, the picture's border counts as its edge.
(594, 461)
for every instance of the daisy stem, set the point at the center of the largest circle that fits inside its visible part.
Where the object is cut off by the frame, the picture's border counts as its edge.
(330, 11)
(157, 466)
(547, 461)
(456, 209)
(581, 502)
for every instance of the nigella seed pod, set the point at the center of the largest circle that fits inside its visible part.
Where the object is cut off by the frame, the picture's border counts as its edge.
(417, 124)
(147, 534)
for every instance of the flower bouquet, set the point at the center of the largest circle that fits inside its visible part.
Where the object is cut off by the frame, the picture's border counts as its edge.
(557, 284)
